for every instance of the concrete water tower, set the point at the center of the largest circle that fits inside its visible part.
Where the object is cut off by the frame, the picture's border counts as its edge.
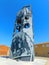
(22, 46)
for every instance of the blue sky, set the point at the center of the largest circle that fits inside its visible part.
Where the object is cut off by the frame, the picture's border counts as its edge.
(40, 13)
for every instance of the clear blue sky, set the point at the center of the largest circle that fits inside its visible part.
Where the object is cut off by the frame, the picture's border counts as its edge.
(8, 11)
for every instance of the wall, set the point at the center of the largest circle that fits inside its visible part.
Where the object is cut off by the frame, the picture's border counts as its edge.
(42, 49)
(4, 50)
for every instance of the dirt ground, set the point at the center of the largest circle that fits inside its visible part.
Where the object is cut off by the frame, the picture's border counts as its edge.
(45, 58)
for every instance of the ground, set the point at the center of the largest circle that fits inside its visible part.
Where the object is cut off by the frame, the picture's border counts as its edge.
(37, 61)
(45, 58)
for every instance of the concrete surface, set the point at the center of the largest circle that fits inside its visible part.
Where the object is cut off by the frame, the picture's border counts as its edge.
(37, 61)
(44, 58)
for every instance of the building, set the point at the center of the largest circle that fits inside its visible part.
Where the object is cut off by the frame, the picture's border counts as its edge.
(4, 50)
(42, 49)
